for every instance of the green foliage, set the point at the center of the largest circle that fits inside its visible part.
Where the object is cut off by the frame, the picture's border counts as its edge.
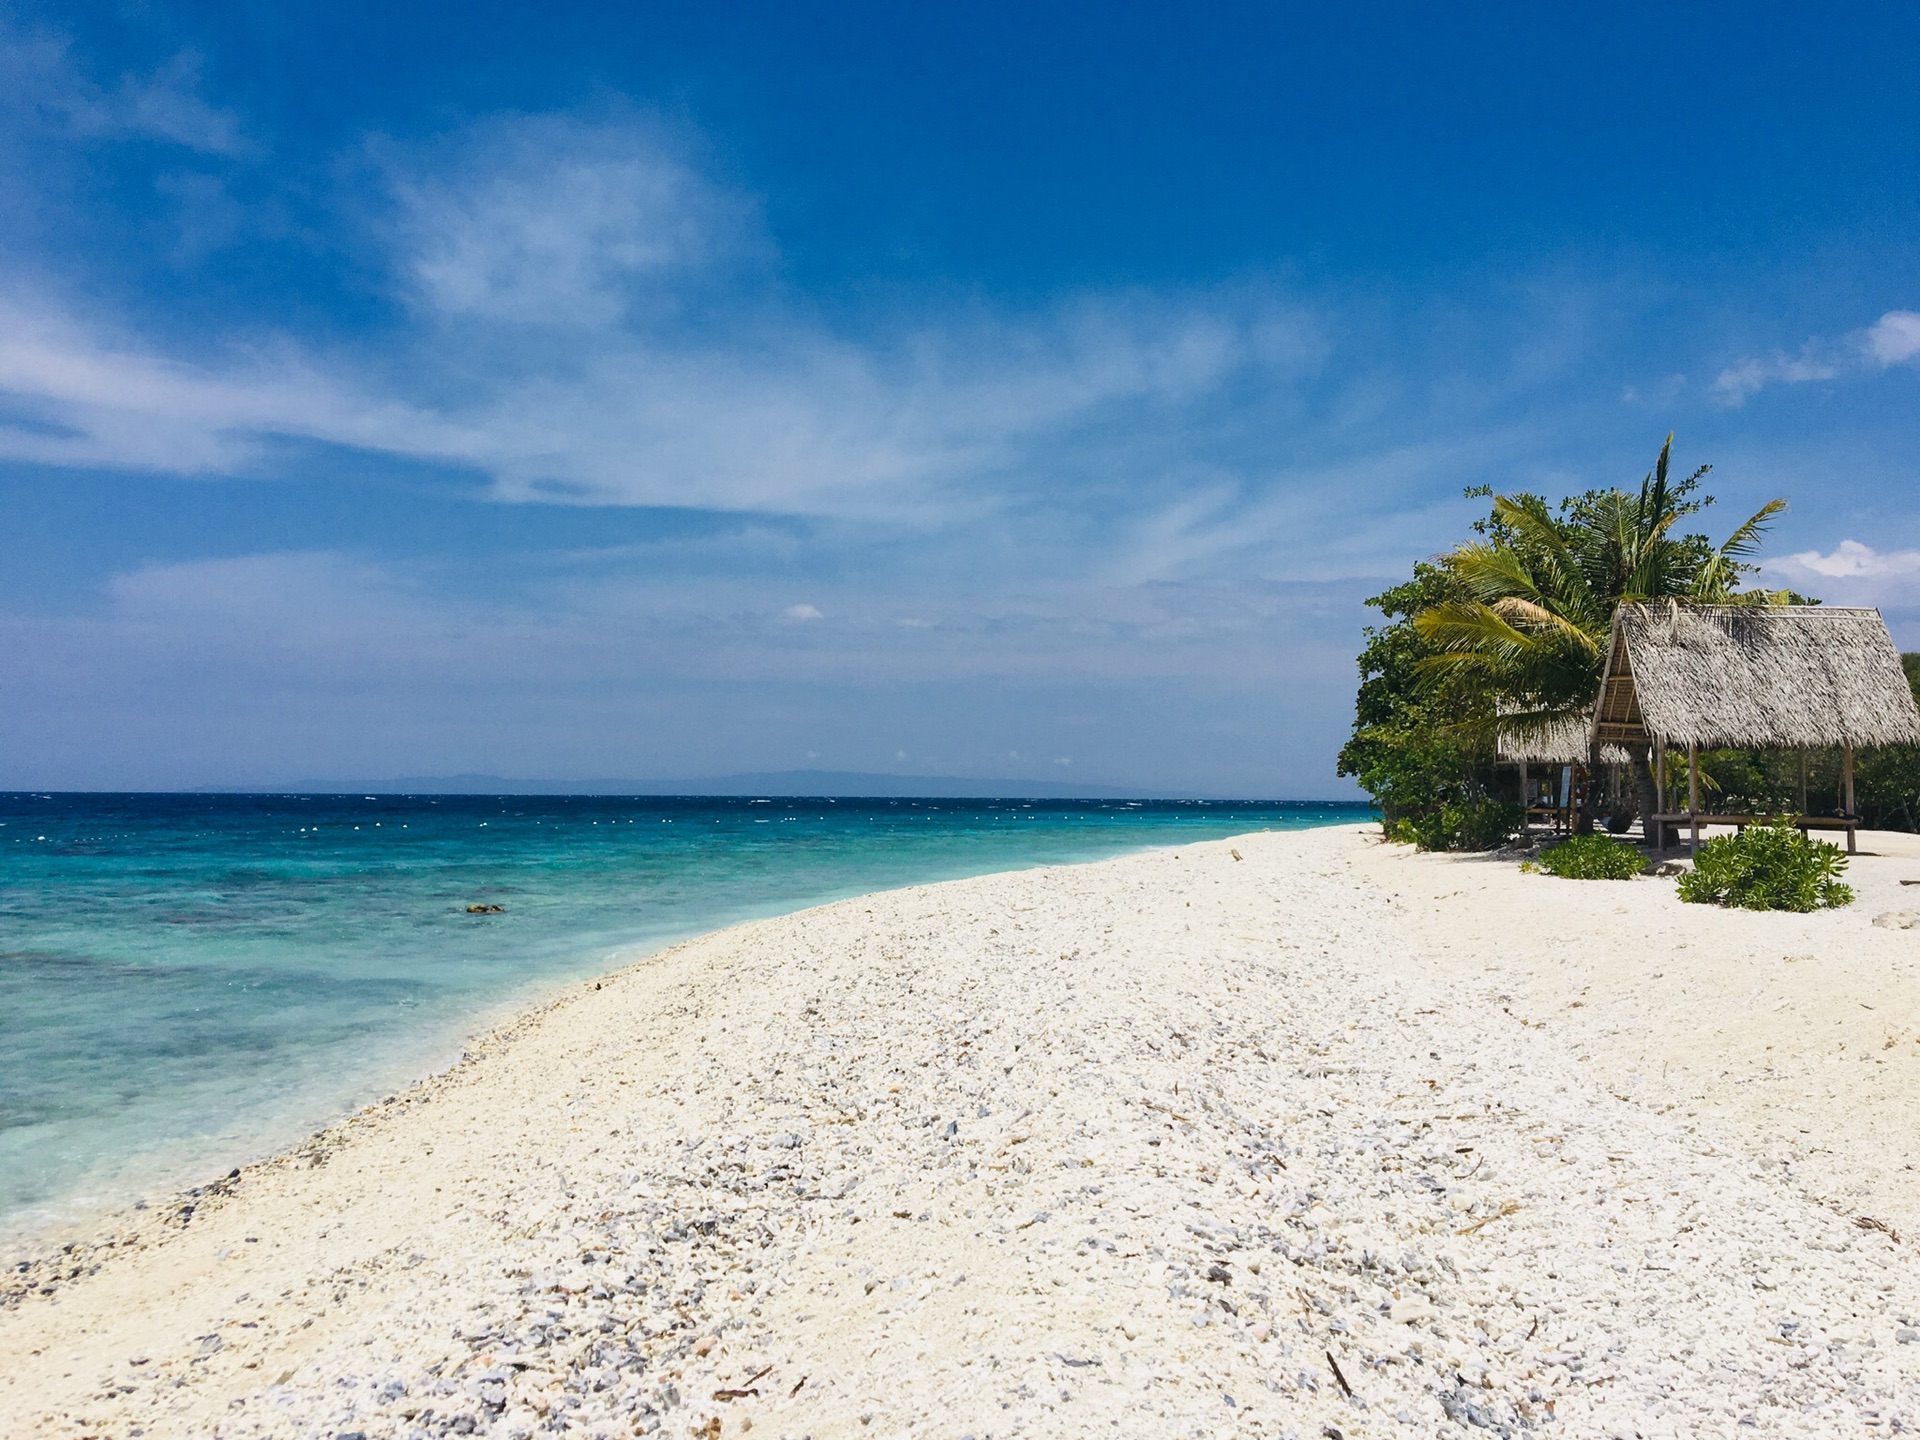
(1590, 857)
(1433, 781)
(1526, 624)
(1767, 867)
(1886, 787)
(1475, 822)
(1767, 782)
(1887, 781)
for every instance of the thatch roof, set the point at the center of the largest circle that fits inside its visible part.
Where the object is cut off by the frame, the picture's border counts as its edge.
(1558, 742)
(1790, 676)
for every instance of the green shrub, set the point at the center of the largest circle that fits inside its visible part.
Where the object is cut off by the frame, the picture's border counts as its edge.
(1767, 867)
(1590, 857)
(1476, 823)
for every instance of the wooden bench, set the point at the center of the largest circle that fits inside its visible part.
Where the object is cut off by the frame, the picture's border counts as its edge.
(1804, 823)
(1556, 817)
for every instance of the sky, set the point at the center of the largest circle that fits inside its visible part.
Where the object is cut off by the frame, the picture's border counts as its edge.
(1028, 391)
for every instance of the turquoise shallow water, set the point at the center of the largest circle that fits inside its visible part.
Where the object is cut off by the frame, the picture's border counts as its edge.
(187, 981)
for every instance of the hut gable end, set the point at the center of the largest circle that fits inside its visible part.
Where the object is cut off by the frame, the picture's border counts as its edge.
(1789, 676)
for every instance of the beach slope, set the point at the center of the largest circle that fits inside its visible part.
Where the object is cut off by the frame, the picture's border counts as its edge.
(1187, 1141)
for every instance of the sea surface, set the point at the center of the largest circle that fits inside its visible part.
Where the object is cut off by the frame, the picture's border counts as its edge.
(190, 981)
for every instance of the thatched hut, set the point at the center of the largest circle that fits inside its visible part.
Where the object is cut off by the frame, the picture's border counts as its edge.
(1564, 741)
(1562, 744)
(1797, 677)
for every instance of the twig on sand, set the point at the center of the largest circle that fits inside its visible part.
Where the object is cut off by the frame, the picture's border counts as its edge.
(1338, 1376)
(1507, 1207)
(1867, 1222)
(1166, 1110)
(796, 1387)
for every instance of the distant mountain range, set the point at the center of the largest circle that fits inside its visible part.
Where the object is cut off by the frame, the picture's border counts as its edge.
(849, 783)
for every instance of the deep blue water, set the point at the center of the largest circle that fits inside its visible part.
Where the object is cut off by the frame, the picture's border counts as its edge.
(190, 980)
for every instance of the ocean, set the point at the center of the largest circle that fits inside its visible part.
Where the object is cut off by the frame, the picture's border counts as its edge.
(191, 981)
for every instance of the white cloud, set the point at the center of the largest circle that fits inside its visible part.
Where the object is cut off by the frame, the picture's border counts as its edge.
(915, 425)
(803, 612)
(1850, 558)
(1895, 337)
(1135, 434)
(1749, 376)
(82, 395)
(1853, 573)
(552, 220)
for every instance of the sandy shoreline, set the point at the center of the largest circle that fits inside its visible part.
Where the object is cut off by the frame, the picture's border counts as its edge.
(1795, 1037)
(1174, 1142)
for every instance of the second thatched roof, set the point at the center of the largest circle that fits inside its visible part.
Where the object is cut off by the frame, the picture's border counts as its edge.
(1560, 741)
(1789, 676)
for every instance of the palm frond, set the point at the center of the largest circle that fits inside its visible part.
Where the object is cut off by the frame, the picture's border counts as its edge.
(1719, 575)
(1543, 623)
(1491, 570)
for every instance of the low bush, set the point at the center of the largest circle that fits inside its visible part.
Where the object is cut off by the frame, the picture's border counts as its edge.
(1476, 823)
(1767, 867)
(1590, 857)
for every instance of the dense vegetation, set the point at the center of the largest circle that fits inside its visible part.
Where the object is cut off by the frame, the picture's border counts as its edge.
(1767, 867)
(1510, 629)
(1418, 746)
(1590, 857)
(1886, 782)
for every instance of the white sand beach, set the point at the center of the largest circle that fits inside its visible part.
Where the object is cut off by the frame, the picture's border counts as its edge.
(1326, 1139)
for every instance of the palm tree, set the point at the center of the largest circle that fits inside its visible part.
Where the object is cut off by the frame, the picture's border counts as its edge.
(1537, 597)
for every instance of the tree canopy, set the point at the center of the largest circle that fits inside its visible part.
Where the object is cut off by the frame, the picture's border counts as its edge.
(1536, 592)
(1508, 630)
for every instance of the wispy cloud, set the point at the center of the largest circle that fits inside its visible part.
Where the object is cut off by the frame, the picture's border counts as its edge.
(1893, 339)
(550, 267)
(582, 312)
(83, 395)
(807, 422)
(555, 220)
(1755, 373)
(37, 72)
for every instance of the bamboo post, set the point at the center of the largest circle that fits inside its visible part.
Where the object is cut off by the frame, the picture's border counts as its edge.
(1659, 795)
(1693, 790)
(1526, 800)
(1803, 783)
(1846, 785)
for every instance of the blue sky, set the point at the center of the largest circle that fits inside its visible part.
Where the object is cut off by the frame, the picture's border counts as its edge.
(991, 391)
